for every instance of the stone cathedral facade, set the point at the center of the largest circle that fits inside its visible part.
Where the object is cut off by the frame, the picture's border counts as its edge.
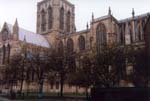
(56, 22)
(56, 29)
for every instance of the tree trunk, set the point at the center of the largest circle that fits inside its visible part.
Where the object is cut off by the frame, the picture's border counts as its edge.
(61, 85)
(76, 89)
(28, 84)
(40, 95)
(21, 86)
(86, 91)
(11, 86)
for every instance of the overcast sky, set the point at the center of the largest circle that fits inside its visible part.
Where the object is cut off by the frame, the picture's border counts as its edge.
(25, 10)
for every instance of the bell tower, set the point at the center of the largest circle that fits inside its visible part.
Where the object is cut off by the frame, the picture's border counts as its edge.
(55, 16)
(16, 31)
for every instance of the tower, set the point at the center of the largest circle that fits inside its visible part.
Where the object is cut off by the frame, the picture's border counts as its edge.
(16, 31)
(109, 11)
(55, 16)
(133, 13)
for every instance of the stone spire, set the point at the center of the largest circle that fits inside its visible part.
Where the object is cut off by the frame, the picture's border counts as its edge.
(15, 30)
(75, 29)
(133, 24)
(92, 16)
(109, 11)
(24, 39)
(133, 12)
(87, 26)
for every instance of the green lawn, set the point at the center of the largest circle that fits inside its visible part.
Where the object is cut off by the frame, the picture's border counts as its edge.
(34, 95)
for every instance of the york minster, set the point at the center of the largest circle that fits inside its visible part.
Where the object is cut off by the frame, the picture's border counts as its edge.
(51, 59)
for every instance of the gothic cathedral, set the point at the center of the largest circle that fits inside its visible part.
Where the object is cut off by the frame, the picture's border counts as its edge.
(56, 29)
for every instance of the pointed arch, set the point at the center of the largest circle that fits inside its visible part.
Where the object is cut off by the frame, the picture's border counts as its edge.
(61, 20)
(68, 21)
(5, 34)
(8, 52)
(122, 33)
(70, 50)
(81, 41)
(100, 36)
(1, 55)
(143, 24)
(50, 17)
(4, 54)
(139, 37)
(131, 33)
(43, 20)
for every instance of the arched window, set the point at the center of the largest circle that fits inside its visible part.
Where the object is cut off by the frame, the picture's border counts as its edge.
(70, 46)
(100, 36)
(43, 20)
(131, 34)
(91, 42)
(4, 54)
(138, 33)
(121, 37)
(81, 43)
(122, 33)
(60, 48)
(5, 35)
(50, 17)
(1, 55)
(61, 18)
(142, 33)
(8, 52)
(68, 22)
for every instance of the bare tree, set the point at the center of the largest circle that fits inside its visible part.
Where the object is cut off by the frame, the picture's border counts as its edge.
(58, 66)
(13, 72)
(38, 61)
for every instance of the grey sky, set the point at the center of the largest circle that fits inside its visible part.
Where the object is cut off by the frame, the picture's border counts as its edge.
(25, 10)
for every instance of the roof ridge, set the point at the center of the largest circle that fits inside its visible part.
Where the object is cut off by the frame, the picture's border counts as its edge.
(102, 17)
(136, 17)
(31, 37)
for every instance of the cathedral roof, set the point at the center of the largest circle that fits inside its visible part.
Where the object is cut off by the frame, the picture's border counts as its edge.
(83, 31)
(31, 37)
(135, 18)
(104, 18)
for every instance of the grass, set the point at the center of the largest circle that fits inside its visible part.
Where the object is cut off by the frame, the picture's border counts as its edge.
(34, 95)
